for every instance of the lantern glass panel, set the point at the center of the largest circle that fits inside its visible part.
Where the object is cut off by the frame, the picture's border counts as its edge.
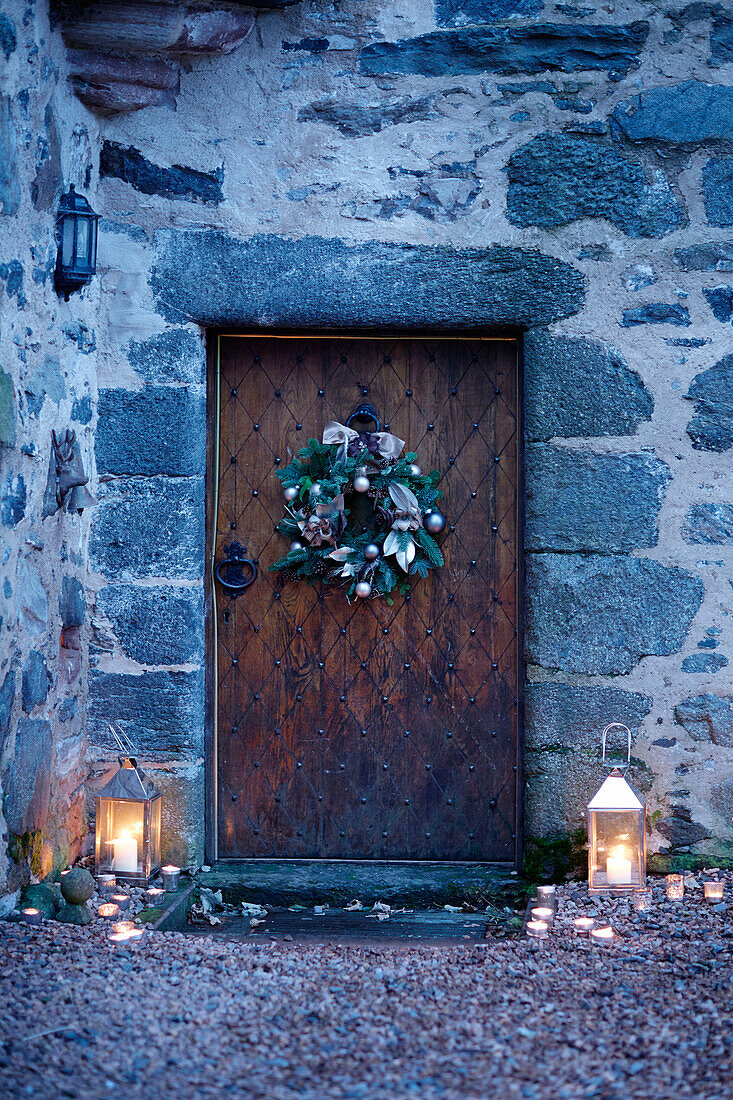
(82, 242)
(67, 241)
(616, 838)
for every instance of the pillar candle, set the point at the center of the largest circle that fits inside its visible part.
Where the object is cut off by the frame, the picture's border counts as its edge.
(125, 857)
(618, 868)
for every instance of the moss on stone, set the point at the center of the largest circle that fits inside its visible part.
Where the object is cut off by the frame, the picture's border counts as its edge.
(554, 858)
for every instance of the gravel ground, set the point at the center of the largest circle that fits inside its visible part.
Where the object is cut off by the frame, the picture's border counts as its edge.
(651, 1016)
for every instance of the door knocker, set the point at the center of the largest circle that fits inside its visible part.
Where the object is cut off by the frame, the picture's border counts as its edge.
(230, 571)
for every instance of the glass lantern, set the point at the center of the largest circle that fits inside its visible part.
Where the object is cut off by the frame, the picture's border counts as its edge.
(76, 233)
(616, 831)
(127, 841)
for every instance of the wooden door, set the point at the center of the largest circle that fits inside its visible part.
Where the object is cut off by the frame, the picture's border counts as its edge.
(364, 730)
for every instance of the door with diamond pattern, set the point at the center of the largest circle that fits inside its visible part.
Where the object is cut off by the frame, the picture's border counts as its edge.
(364, 730)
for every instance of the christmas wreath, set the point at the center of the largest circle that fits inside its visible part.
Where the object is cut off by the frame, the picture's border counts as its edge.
(360, 516)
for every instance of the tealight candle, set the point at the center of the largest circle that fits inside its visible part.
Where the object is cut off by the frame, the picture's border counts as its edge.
(602, 936)
(537, 928)
(65, 871)
(121, 900)
(133, 936)
(546, 895)
(675, 885)
(641, 899)
(583, 925)
(123, 926)
(713, 891)
(106, 883)
(171, 876)
(109, 910)
(155, 895)
(545, 913)
(31, 916)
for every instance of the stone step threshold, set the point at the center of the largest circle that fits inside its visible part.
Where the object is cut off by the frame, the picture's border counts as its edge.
(282, 883)
(335, 927)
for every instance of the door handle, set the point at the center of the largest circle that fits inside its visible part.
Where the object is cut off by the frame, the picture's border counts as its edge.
(230, 571)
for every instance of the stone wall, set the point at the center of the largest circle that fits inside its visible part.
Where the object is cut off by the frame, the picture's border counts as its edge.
(47, 382)
(566, 169)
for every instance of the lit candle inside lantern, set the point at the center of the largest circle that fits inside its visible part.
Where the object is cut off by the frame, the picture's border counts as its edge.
(713, 891)
(125, 857)
(618, 867)
(537, 928)
(109, 910)
(543, 912)
(583, 925)
(602, 936)
(121, 901)
(31, 916)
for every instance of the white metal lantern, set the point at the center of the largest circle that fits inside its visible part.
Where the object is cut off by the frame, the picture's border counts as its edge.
(616, 831)
(128, 825)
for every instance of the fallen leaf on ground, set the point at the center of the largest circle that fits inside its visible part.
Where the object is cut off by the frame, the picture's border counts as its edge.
(353, 906)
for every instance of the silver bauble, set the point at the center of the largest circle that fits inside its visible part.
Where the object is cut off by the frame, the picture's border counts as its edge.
(295, 545)
(316, 489)
(291, 493)
(415, 470)
(363, 589)
(371, 552)
(434, 522)
(361, 484)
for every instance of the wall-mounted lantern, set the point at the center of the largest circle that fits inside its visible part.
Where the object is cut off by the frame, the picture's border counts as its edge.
(616, 831)
(76, 234)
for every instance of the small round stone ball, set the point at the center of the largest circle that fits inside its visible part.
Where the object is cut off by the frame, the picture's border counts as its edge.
(371, 552)
(434, 522)
(363, 589)
(77, 886)
(291, 493)
(361, 484)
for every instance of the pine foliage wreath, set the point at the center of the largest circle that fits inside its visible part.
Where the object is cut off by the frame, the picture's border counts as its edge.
(368, 551)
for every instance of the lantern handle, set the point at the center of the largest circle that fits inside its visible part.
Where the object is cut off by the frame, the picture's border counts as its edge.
(618, 726)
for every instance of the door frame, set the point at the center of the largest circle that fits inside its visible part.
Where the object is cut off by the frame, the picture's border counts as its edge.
(213, 366)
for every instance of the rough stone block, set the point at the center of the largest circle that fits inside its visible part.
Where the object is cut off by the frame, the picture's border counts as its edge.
(711, 428)
(557, 179)
(712, 256)
(707, 718)
(31, 599)
(720, 300)
(161, 712)
(543, 47)
(9, 180)
(656, 313)
(182, 833)
(683, 114)
(72, 602)
(316, 282)
(576, 387)
(717, 189)
(176, 355)
(156, 626)
(12, 499)
(709, 524)
(600, 615)
(7, 698)
(721, 37)
(149, 527)
(680, 830)
(458, 13)
(722, 799)
(8, 37)
(27, 782)
(48, 180)
(176, 182)
(36, 681)
(704, 662)
(592, 502)
(358, 120)
(7, 410)
(155, 430)
(564, 716)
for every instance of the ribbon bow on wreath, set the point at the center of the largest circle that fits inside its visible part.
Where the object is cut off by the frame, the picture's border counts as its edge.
(352, 443)
(360, 516)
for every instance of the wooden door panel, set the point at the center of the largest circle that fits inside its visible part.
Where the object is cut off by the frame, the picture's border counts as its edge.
(366, 730)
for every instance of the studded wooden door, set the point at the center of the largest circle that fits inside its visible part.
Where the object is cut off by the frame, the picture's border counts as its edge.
(363, 730)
